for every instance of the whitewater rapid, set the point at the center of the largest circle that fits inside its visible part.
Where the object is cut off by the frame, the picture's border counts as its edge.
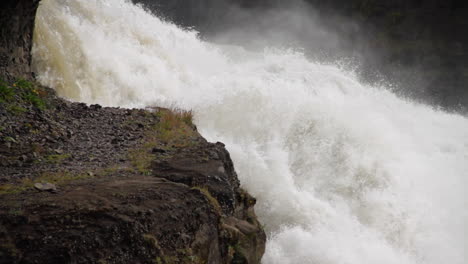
(343, 172)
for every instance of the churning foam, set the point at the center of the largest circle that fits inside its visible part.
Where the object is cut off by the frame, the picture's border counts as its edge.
(343, 172)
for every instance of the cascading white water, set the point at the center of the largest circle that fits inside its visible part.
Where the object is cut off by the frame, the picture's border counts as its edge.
(343, 172)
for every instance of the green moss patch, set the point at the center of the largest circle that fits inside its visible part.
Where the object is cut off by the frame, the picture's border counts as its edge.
(20, 94)
(6, 92)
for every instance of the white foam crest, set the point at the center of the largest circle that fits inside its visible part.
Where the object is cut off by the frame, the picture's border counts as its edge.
(343, 172)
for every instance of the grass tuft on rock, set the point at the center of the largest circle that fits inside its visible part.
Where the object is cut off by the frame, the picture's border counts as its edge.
(175, 126)
(174, 129)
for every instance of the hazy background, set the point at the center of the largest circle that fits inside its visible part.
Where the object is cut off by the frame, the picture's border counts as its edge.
(419, 47)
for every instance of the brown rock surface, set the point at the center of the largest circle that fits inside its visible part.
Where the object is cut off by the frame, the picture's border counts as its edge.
(132, 186)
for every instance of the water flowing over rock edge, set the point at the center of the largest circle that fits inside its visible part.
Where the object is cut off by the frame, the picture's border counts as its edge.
(138, 186)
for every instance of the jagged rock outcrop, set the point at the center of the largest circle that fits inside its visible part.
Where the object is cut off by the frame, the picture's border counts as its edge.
(87, 184)
(123, 186)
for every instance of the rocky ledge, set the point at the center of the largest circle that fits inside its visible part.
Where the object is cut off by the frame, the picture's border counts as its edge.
(89, 184)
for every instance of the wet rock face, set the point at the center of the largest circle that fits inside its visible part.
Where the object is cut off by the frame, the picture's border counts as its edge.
(210, 170)
(16, 30)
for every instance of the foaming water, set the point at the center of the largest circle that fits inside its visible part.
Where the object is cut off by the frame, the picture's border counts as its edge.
(343, 172)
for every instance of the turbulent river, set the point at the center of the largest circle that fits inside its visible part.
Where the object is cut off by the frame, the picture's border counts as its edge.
(343, 172)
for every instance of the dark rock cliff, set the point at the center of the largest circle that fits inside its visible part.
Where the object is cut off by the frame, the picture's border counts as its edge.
(86, 184)
(16, 31)
(422, 45)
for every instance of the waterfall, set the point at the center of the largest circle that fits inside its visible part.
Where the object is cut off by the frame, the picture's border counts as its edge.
(343, 172)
